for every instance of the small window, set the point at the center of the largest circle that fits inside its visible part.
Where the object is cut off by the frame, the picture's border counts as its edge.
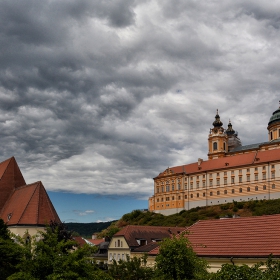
(204, 194)
(264, 187)
(232, 191)
(256, 177)
(191, 195)
(240, 179)
(240, 190)
(218, 182)
(211, 193)
(225, 191)
(263, 167)
(197, 195)
(272, 175)
(272, 166)
(248, 169)
(232, 180)
(273, 186)
(173, 198)
(248, 189)
(218, 174)
(218, 192)
(256, 188)
(186, 196)
(264, 176)
(240, 171)
(225, 181)
(248, 178)
(225, 173)
(256, 168)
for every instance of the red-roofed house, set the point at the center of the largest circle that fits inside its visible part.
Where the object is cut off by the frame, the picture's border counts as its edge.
(23, 207)
(131, 237)
(232, 172)
(239, 241)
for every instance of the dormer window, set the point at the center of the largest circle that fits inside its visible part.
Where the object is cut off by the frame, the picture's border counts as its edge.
(141, 242)
(9, 216)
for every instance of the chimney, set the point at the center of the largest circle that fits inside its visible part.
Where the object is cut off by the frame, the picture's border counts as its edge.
(199, 161)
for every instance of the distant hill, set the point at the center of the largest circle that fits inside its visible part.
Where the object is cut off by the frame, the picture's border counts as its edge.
(87, 229)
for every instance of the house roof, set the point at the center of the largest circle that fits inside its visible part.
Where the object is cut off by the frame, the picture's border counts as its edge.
(234, 161)
(29, 205)
(147, 248)
(243, 237)
(133, 233)
(96, 241)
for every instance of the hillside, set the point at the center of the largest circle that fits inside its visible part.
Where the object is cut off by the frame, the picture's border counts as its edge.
(187, 218)
(182, 219)
(87, 229)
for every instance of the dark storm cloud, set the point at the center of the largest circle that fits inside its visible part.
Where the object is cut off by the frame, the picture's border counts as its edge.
(101, 96)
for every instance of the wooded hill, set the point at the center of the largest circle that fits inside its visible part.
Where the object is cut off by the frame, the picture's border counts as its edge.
(185, 217)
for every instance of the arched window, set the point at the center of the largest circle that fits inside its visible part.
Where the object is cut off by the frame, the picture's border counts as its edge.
(215, 146)
(224, 146)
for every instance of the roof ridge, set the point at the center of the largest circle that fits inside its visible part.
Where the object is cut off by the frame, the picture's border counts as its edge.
(27, 204)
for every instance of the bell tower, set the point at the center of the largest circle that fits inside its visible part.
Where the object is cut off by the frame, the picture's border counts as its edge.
(274, 125)
(217, 139)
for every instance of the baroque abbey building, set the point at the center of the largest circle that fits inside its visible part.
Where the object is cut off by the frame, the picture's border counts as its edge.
(232, 172)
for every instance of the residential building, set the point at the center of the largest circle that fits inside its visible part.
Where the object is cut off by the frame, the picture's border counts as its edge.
(131, 237)
(237, 241)
(232, 172)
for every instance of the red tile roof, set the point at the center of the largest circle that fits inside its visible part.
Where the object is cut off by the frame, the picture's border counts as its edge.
(240, 237)
(255, 157)
(133, 233)
(29, 205)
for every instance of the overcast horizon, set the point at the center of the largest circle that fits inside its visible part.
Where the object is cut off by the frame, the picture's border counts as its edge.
(99, 97)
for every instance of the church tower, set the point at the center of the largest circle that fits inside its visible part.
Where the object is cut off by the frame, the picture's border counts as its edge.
(274, 126)
(233, 141)
(217, 140)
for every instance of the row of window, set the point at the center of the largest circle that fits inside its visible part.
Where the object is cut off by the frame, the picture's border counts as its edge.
(217, 175)
(117, 257)
(218, 193)
(232, 180)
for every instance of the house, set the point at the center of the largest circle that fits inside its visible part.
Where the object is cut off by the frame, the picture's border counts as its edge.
(232, 172)
(238, 241)
(24, 208)
(127, 240)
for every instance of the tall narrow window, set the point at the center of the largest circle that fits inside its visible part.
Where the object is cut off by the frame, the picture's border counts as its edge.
(215, 146)
(271, 135)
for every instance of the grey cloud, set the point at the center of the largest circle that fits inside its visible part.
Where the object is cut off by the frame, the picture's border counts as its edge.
(105, 95)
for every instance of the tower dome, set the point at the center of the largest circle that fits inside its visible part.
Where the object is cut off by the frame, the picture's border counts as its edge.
(217, 122)
(274, 125)
(275, 117)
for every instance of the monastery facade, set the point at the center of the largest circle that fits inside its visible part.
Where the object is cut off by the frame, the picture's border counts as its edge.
(232, 172)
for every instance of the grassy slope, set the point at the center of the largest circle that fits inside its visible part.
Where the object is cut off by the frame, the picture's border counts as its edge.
(182, 219)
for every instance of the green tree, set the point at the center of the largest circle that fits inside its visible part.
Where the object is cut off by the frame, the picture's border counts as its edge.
(177, 260)
(131, 269)
(57, 256)
(10, 252)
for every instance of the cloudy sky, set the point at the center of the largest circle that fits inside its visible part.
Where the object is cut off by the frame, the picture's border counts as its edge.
(98, 97)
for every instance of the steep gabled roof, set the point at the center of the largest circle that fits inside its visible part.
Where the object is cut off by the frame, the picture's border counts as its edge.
(10, 178)
(242, 237)
(29, 205)
(149, 233)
